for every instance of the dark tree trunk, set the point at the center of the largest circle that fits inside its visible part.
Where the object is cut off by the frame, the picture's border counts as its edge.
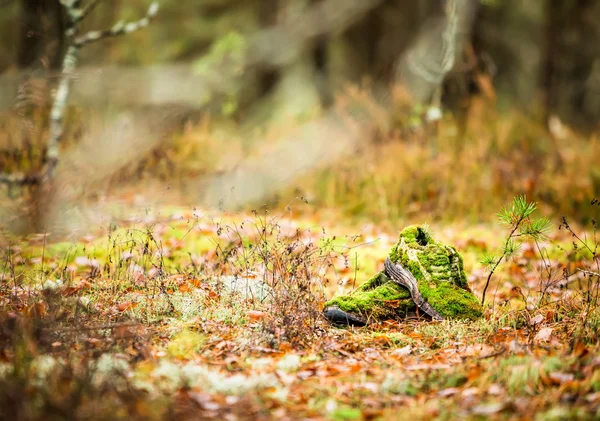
(41, 39)
(571, 73)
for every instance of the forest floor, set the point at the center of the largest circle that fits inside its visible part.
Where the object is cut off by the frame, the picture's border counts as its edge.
(190, 314)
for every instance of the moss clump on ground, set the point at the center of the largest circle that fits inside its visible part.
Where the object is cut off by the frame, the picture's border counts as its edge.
(440, 275)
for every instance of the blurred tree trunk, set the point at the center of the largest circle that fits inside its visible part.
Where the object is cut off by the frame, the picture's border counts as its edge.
(373, 45)
(42, 29)
(510, 34)
(572, 62)
(295, 92)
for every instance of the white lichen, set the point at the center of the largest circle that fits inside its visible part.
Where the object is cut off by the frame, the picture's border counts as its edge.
(395, 383)
(5, 370)
(214, 381)
(289, 363)
(50, 285)
(110, 368)
(170, 376)
(261, 364)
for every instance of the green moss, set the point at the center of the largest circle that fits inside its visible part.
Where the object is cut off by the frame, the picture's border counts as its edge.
(439, 271)
(346, 413)
(451, 302)
(440, 275)
(379, 296)
(377, 280)
(455, 380)
(185, 344)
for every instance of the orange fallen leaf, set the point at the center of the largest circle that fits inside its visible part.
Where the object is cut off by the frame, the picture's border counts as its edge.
(39, 309)
(176, 278)
(126, 306)
(196, 282)
(285, 346)
(255, 315)
(393, 303)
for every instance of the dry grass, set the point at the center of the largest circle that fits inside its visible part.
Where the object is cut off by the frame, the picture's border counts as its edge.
(451, 169)
(463, 177)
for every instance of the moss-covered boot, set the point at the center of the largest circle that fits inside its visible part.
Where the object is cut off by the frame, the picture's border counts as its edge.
(439, 274)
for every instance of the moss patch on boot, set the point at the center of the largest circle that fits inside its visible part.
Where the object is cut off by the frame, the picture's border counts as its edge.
(439, 271)
(379, 297)
(440, 275)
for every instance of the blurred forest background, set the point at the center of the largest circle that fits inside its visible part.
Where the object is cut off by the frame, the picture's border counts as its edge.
(379, 108)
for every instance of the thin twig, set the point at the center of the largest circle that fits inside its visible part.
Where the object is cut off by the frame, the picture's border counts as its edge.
(121, 28)
(487, 283)
(99, 327)
(19, 179)
(589, 272)
(89, 7)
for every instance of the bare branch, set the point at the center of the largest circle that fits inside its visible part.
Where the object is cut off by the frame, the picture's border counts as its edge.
(87, 9)
(19, 179)
(120, 28)
(589, 272)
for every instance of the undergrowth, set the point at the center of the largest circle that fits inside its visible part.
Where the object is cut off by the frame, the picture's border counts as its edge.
(560, 290)
(189, 317)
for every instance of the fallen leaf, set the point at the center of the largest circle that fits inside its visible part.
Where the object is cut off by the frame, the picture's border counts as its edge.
(255, 315)
(405, 350)
(95, 342)
(285, 346)
(450, 391)
(196, 282)
(488, 408)
(536, 320)
(126, 306)
(184, 288)
(559, 377)
(496, 390)
(544, 334)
